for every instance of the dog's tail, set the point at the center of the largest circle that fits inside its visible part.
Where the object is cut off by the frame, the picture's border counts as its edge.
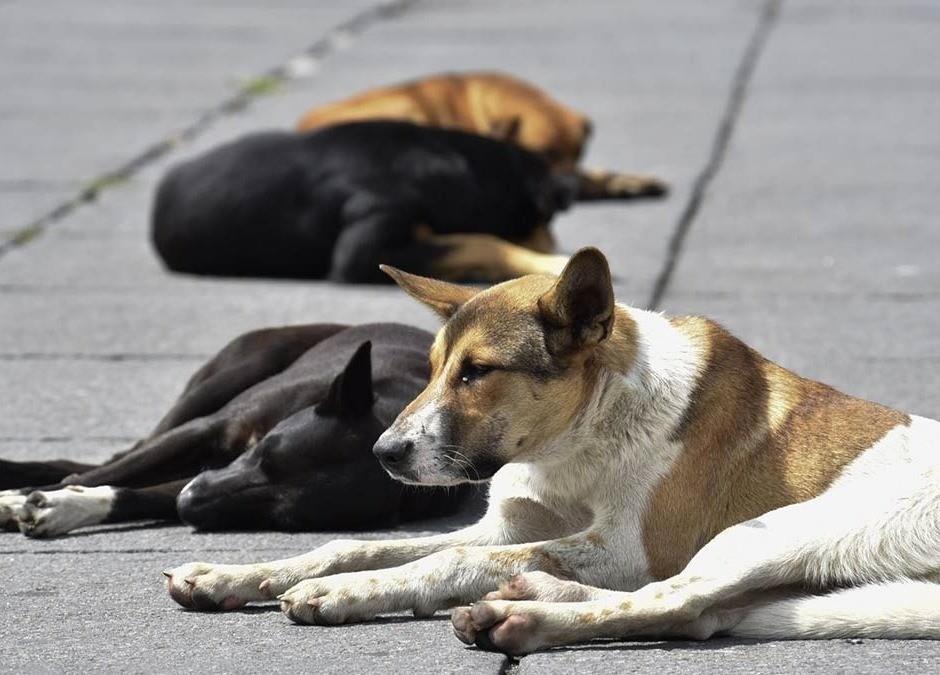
(898, 610)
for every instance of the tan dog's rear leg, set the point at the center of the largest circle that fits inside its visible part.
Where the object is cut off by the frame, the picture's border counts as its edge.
(595, 185)
(484, 257)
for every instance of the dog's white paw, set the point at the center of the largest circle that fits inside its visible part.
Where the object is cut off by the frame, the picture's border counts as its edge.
(341, 598)
(11, 502)
(507, 627)
(208, 587)
(55, 512)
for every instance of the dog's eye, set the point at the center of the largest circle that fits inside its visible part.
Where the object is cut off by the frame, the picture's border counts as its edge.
(471, 372)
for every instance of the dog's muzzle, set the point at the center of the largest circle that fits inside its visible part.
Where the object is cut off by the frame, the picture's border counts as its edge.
(394, 453)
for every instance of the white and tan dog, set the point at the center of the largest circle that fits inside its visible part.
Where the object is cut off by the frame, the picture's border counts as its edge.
(714, 490)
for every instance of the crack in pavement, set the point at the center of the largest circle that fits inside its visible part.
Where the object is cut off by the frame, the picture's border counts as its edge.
(93, 551)
(68, 439)
(117, 357)
(716, 156)
(305, 61)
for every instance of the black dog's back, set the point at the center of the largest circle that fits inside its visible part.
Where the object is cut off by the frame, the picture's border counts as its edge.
(275, 203)
(226, 212)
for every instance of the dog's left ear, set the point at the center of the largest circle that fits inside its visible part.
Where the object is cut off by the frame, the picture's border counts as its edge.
(350, 393)
(443, 297)
(578, 311)
(506, 129)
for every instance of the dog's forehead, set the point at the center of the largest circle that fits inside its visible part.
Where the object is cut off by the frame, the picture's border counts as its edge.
(501, 322)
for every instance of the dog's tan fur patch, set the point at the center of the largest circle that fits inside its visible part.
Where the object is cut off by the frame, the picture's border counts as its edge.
(754, 438)
(491, 104)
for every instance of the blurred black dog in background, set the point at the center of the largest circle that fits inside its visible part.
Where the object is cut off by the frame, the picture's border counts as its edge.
(337, 202)
(274, 432)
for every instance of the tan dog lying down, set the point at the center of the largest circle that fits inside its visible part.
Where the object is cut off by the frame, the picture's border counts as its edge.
(495, 105)
(711, 490)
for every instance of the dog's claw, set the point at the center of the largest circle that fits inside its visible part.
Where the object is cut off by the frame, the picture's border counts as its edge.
(168, 574)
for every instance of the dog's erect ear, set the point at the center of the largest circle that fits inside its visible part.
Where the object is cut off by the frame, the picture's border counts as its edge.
(443, 297)
(579, 309)
(350, 393)
(506, 129)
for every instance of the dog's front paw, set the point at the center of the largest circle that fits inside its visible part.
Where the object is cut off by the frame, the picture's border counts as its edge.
(208, 588)
(342, 598)
(11, 504)
(56, 512)
(507, 627)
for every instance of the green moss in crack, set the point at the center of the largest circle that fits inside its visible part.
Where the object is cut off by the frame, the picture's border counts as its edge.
(264, 85)
(99, 185)
(26, 234)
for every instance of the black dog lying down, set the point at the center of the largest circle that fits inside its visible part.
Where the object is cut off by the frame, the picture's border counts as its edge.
(279, 427)
(337, 202)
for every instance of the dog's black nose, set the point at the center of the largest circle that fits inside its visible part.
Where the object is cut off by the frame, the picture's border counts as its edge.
(391, 451)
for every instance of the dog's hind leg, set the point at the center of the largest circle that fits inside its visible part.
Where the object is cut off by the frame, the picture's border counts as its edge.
(178, 453)
(57, 512)
(896, 609)
(877, 522)
(401, 241)
(484, 257)
(30, 474)
(596, 185)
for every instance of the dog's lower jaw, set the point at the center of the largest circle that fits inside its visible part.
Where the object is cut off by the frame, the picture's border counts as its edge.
(435, 479)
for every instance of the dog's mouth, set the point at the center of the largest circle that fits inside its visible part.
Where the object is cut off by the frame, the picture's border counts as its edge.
(446, 470)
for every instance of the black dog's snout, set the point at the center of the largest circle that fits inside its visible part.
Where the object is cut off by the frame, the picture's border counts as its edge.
(392, 451)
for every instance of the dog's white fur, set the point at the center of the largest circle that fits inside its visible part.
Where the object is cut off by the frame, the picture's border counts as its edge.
(50, 513)
(576, 509)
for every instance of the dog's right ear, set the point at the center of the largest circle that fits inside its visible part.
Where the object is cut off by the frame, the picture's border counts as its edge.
(578, 310)
(443, 297)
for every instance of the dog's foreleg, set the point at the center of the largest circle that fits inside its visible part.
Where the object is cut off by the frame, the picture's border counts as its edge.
(34, 474)
(207, 586)
(441, 580)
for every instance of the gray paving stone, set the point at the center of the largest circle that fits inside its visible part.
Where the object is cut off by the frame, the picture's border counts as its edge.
(82, 399)
(133, 72)
(87, 451)
(722, 655)
(191, 320)
(127, 586)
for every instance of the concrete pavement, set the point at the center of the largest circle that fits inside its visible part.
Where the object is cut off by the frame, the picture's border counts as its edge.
(802, 148)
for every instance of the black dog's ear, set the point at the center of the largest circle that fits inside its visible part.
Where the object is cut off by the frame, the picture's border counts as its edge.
(506, 129)
(350, 393)
(578, 310)
(443, 297)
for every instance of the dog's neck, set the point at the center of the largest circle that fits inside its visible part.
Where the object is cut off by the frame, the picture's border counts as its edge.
(623, 432)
